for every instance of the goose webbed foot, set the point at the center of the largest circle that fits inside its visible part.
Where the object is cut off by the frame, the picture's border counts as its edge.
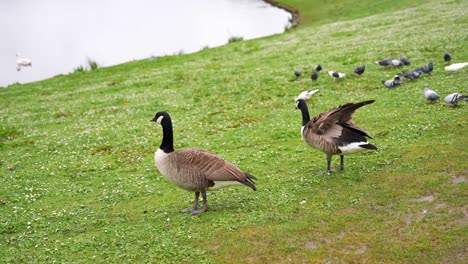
(194, 210)
(199, 211)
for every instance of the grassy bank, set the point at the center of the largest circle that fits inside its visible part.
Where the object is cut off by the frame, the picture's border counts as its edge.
(78, 182)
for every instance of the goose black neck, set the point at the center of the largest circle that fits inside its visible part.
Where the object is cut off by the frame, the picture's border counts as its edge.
(302, 105)
(167, 144)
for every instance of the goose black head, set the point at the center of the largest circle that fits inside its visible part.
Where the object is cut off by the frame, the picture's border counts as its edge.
(158, 118)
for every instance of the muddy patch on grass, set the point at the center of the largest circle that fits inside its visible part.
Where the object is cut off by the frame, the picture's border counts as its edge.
(428, 198)
(312, 245)
(458, 179)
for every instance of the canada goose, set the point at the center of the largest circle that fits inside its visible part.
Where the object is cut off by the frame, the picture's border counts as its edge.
(333, 131)
(193, 169)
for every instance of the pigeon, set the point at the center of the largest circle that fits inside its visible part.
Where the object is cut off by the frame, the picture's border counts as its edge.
(298, 73)
(359, 70)
(430, 95)
(428, 68)
(405, 60)
(447, 57)
(305, 95)
(384, 62)
(317, 68)
(393, 82)
(456, 66)
(396, 63)
(314, 76)
(412, 75)
(336, 75)
(453, 98)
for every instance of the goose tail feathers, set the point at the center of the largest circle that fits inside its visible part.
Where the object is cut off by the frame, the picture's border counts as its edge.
(249, 181)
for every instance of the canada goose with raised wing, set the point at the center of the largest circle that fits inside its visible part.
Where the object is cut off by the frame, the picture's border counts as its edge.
(193, 169)
(333, 132)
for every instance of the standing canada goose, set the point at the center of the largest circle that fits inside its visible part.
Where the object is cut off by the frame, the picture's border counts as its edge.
(193, 169)
(333, 131)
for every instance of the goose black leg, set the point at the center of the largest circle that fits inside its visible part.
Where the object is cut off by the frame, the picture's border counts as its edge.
(329, 158)
(204, 207)
(195, 205)
(341, 162)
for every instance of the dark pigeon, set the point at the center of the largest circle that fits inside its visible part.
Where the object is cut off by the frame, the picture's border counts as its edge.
(447, 57)
(314, 76)
(384, 62)
(405, 60)
(428, 68)
(298, 73)
(412, 75)
(317, 68)
(359, 70)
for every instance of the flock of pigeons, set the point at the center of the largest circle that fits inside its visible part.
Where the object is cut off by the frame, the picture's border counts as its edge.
(397, 80)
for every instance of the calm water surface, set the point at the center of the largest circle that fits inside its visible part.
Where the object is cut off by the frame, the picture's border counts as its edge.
(58, 36)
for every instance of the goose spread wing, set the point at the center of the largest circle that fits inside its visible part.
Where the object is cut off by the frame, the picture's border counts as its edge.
(326, 122)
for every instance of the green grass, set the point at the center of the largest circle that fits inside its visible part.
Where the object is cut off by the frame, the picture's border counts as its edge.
(84, 187)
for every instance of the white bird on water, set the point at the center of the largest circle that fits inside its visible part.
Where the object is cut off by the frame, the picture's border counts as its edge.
(22, 62)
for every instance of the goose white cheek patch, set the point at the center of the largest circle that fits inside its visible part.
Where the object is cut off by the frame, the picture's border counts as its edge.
(159, 119)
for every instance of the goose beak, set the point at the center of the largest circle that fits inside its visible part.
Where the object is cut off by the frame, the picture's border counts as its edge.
(153, 120)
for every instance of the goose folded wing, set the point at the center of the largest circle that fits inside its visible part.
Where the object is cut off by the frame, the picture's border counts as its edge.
(215, 168)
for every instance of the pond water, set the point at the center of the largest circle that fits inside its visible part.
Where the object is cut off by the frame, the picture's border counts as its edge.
(59, 36)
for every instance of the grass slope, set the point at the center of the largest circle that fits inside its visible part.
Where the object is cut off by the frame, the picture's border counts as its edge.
(84, 187)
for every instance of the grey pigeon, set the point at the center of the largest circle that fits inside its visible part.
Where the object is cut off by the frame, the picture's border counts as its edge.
(412, 75)
(405, 60)
(428, 68)
(384, 62)
(396, 63)
(298, 73)
(317, 68)
(336, 75)
(359, 70)
(453, 98)
(393, 82)
(430, 95)
(447, 57)
(314, 76)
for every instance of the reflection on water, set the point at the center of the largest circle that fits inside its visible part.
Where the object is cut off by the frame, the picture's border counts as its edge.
(58, 36)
